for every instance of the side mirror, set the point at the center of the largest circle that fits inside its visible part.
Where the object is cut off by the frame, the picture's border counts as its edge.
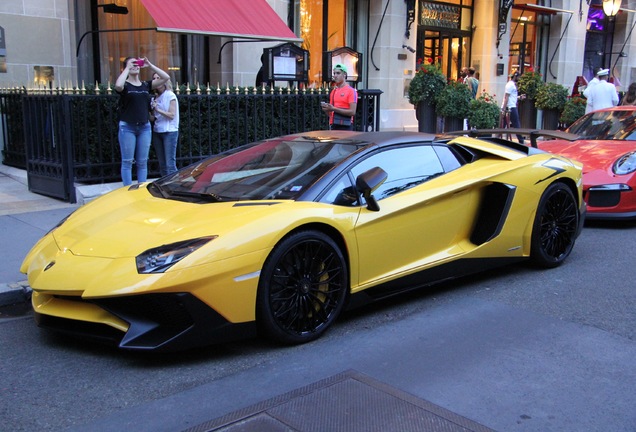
(369, 181)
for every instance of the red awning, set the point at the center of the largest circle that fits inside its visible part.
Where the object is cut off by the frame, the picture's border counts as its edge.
(540, 9)
(249, 19)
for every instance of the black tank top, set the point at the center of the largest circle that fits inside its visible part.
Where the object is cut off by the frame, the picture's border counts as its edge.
(134, 103)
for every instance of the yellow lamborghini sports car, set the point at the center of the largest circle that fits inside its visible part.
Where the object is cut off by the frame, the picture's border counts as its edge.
(277, 236)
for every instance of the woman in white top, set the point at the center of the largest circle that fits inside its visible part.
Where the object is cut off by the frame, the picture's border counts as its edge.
(165, 134)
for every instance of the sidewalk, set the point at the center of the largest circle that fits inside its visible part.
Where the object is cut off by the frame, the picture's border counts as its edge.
(27, 216)
(16, 198)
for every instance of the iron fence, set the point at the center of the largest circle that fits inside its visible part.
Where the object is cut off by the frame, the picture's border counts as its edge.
(66, 138)
(12, 133)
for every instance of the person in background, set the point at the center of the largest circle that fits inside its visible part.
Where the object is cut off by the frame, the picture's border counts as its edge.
(472, 82)
(134, 116)
(463, 74)
(343, 101)
(260, 75)
(165, 135)
(153, 95)
(630, 97)
(509, 104)
(603, 94)
(590, 85)
(580, 84)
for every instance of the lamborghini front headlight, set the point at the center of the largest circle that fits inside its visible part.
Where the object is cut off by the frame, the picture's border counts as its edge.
(160, 259)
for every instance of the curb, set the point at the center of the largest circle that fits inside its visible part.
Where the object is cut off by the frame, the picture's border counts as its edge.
(17, 174)
(83, 192)
(14, 293)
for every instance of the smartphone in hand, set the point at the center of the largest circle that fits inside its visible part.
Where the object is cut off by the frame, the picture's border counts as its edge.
(139, 62)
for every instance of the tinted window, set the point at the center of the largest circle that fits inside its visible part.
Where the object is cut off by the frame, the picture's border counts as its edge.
(406, 167)
(606, 125)
(274, 169)
(341, 193)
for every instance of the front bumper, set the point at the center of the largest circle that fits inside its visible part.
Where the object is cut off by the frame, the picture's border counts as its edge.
(157, 322)
(610, 202)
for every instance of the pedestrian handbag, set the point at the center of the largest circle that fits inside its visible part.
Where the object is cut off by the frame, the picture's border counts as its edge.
(339, 119)
(342, 120)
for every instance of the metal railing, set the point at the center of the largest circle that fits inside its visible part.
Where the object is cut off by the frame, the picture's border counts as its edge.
(62, 138)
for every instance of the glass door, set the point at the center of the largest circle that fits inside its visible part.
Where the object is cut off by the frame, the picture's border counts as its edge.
(448, 50)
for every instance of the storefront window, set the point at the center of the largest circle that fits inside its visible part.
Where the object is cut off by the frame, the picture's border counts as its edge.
(443, 34)
(311, 24)
(336, 24)
(523, 41)
(599, 42)
(530, 40)
(320, 34)
(162, 49)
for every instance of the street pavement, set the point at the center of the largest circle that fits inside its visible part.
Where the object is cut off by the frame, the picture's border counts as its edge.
(24, 218)
(472, 365)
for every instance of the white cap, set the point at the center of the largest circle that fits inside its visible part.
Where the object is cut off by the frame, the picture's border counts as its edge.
(603, 72)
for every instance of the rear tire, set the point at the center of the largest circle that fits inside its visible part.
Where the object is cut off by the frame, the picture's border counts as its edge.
(302, 288)
(555, 226)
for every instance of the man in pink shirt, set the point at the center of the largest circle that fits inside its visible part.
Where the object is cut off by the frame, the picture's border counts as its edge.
(343, 101)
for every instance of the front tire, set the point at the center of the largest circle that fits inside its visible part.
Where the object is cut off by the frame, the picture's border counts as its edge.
(302, 288)
(555, 226)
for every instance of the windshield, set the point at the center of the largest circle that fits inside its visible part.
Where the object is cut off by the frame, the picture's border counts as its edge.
(273, 169)
(606, 125)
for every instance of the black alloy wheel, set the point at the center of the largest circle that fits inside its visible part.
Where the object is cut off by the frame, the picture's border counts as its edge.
(302, 288)
(555, 226)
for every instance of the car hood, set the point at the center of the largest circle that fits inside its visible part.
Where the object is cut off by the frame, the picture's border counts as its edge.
(125, 223)
(594, 155)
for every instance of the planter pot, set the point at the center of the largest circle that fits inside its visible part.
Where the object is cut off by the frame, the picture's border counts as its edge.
(551, 119)
(453, 124)
(426, 118)
(527, 113)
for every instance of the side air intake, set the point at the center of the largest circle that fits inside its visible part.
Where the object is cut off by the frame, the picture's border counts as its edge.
(493, 211)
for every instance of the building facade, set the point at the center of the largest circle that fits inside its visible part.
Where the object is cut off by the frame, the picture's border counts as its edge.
(71, 42)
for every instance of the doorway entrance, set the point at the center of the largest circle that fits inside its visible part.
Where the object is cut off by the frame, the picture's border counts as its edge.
(451, 50)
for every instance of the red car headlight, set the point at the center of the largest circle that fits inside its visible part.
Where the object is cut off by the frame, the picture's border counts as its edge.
(626, 164)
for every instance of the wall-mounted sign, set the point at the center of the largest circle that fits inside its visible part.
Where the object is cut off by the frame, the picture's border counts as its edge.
(43, 75)
(3, 46)
(3, 52)
(345, 56)
(285, 62)
(504, 7)
(439, 15)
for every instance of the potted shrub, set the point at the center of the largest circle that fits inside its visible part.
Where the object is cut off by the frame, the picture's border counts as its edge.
(529, 83)
(573, 110)
(527, 86)
(424, 88)
(484, 112)
(551, 98)
(453, 103)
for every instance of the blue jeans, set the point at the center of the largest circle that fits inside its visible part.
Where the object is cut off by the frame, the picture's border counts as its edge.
(166, 147)
(134, 142)
(515, 122)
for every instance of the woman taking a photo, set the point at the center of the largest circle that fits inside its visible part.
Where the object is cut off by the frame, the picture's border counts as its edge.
(134, 116)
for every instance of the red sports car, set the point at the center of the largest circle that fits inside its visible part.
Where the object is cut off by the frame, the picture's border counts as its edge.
(607, 148)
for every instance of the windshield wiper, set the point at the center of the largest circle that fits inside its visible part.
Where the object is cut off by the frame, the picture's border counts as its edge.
(159, 189)
(209, 197)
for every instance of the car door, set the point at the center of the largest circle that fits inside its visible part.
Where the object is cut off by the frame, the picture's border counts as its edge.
(425, 214)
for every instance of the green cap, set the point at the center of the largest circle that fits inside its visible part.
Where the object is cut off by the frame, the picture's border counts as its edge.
(341, 67)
